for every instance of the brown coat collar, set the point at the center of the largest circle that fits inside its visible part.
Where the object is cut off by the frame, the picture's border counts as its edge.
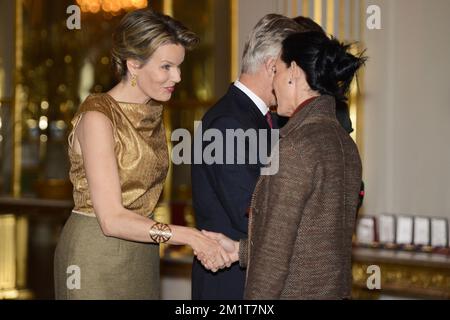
(321, 107)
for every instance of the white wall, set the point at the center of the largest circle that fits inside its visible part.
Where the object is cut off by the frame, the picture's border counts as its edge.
(250, 12)
(406, 130)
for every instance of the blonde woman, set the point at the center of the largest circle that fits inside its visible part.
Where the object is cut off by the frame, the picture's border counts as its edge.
(119, 162)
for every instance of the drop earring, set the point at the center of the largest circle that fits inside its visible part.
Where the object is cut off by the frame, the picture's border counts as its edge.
(134, 80)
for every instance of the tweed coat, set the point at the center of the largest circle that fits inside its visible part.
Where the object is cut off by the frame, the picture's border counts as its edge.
(302, 218)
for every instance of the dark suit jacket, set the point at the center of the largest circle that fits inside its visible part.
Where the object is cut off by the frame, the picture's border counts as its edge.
(222, 193)
(302, 218)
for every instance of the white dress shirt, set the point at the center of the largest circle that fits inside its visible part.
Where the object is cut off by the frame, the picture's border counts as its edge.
(256, 100)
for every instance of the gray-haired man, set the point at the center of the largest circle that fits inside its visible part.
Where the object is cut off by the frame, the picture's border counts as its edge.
(222, 192)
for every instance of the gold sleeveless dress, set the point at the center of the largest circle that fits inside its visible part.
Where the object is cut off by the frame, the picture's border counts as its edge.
(89, 265)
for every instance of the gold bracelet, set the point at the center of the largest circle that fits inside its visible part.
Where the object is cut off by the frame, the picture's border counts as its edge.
(160, 232)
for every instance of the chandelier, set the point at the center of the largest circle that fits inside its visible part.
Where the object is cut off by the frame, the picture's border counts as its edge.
(112, 6)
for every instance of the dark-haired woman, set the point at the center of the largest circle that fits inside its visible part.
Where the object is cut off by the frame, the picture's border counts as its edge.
(302, 218)
(342, 112)
(109, 246)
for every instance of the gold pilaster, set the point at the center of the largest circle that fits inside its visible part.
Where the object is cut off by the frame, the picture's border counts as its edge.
(17, 98)
(318, 11)
(168, 7)
(294, 8)
(341, 31)
(8, 253)
(330, 16)
(13, 257)
(305, 8)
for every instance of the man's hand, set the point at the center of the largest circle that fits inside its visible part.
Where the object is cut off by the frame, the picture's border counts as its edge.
(230, 246)
(210, 252)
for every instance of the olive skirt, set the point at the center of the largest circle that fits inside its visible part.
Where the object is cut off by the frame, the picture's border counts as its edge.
(88, 265)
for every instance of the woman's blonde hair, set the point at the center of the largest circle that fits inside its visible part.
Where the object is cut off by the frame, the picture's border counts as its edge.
(141, 32)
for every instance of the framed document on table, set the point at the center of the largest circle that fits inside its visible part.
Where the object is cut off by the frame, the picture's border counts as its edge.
(366, 231)
(422, 231)
(439, 232)
(386, 230)
(405, 230)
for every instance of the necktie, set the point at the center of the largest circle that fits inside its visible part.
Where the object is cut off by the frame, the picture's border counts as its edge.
(269, 119)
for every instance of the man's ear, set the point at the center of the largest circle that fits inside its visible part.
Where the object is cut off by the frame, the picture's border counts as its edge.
(270, 66)
(133, 66)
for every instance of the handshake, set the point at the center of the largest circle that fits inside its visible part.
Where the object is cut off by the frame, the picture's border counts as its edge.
(215, 251)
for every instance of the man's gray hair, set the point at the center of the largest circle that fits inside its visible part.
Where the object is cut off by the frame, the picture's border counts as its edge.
(265, 40)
